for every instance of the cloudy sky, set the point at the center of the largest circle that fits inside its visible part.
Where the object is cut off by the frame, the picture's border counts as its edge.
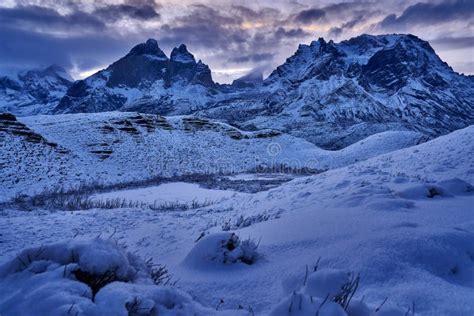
(233, 37)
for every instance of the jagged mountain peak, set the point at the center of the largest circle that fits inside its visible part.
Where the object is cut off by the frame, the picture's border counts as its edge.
(329, 93)
(401, 55)
(150, 47)
(143, 80)
(181, 54)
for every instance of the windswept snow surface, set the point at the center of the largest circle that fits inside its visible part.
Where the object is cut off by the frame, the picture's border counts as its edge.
(403, 220)
(116, 147)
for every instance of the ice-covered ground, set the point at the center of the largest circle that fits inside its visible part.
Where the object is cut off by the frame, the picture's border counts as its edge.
(403, 220)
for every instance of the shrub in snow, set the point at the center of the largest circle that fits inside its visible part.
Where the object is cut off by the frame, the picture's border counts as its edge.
(94, 277)
(222, 248)
(299, 304)
(326, 282)
(445, 188)
(335, 284)
(456, 186)
(329, 292)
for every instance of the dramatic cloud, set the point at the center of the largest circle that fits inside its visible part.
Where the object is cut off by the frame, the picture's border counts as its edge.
(310, 16)
(117, 12)
(84, 35)
(429, 13)
(455, 42)
(35, 17)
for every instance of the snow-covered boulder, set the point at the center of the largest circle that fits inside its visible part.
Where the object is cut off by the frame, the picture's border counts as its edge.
(220, 249)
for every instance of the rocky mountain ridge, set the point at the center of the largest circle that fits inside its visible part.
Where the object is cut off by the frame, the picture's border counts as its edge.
(332, 94)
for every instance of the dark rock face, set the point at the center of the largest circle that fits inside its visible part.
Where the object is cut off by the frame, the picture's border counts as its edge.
(183, 67)
(10, 125)
(148, 48)
(144, 65)
(7, 117)
(203, 75)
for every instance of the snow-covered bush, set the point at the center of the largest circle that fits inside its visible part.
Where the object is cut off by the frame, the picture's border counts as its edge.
(330, 292)
(446, 188)
(89, 277)
(222, 248)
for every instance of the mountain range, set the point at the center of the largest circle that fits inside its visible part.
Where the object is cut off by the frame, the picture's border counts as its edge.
(331, 94)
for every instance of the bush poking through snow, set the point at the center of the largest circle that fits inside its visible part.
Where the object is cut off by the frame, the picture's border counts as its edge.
(160, 274)
(95, 281)
(241, 221)
(90, 277)
(71, 201)
(222, 248)
(330, 292)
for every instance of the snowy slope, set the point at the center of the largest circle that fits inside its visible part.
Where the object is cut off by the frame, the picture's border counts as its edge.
(403, 220)
(118, 147)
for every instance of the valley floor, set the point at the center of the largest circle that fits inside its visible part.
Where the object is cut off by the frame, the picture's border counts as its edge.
(403, 220)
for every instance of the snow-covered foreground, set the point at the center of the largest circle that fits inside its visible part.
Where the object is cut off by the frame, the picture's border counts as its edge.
(403, 220)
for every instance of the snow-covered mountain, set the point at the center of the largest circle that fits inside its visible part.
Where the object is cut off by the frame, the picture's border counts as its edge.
(334, 94)
(34, 91)
(331, 94)
(145, 80)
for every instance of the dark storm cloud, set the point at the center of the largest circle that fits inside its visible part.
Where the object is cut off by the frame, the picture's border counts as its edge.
(116, 12)
(454, 42)
(290, 33)
(31, 17)
(309, 16)
(38, 35)
(430, 13)
(337, 31)
(89, 34)
(21, 47)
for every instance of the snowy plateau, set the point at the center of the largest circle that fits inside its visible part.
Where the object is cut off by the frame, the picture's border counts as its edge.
(341, 184)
